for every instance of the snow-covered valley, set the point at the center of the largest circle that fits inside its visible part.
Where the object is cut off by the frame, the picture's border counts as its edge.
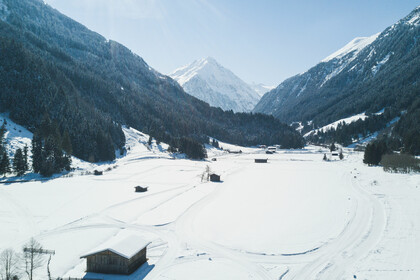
(295, 217)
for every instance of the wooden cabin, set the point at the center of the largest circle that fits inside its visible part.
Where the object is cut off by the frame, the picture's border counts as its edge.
(121, 257)
(272, 149)
(261, 160)
(234, 151)
(140, 189)
(214, 178)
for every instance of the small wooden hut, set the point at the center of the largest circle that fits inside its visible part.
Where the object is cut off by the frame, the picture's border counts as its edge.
(214, 178)
(261, 160)
(122, 257)
(140, 189)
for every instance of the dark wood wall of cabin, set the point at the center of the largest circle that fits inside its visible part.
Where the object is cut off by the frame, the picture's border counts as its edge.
(111, 263)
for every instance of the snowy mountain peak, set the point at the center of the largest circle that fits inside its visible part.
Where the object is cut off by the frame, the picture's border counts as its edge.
(261, 89)
(209, 81)
(413, 18)
(355, 45)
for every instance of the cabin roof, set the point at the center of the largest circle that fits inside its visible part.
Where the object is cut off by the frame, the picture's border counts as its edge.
(127, 247)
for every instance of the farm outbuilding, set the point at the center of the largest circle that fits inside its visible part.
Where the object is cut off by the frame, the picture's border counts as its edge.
(140, 189)
(214, 177)
(120, 257)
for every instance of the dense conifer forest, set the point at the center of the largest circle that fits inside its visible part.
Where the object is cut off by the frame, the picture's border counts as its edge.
(90, 86)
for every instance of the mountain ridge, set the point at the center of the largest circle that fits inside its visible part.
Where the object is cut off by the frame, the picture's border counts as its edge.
(347, 83)
(209, 81)
(90, 86)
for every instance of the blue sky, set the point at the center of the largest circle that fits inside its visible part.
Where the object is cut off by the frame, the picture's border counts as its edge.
(262, 41)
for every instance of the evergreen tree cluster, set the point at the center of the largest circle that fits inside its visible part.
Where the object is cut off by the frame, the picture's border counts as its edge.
(4, 157)
(191, 147)
(48, 155)
(215, 143)
(345, 134)
(374, 152)
(408, 129)
(20, 160)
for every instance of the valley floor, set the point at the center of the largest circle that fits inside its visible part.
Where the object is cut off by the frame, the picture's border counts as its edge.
(296, 217)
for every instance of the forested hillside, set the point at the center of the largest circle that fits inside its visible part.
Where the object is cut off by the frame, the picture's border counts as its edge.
(368, 75)
(90, 86)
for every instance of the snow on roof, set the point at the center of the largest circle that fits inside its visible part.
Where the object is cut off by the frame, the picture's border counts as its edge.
(356, 45)
(126, 247)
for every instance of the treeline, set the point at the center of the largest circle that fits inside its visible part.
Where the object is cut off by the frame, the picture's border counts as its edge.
(51, 151)
(91, 86)
(20, 160)
(346, 134)
(408, 129)
(402, 136)
(382, 152)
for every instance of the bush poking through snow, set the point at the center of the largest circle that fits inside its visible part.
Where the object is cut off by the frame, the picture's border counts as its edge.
(400, 163)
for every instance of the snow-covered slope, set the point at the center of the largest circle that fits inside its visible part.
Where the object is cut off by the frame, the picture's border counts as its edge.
(367, 74)
(335, 124)
(355, 46)
(261, 89)
(209, 81)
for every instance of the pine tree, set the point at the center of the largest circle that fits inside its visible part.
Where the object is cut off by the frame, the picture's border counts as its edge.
(4, 163)
(25, 158)
(325, 157)
(332, 147)
(47, 152)
(36, 152)
(66, 143)
(19, 163)
(341, 156)
(4, 158)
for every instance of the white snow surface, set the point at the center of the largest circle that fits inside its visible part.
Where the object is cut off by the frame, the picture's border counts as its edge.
(260, 88)
(415, 18)
(295, 217)
(378, 66)
(209, 81)
(335, 124)
(355, 45)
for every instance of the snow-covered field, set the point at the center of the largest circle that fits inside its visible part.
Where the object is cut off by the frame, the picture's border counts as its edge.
(296, 217)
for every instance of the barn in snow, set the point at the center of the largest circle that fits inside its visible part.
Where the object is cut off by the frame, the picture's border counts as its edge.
(118, 257)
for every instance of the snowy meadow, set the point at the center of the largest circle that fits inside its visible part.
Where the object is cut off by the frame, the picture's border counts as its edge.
(294, 217)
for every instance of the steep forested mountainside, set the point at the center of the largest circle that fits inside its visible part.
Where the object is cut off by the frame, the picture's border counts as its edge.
(209, 81)
(90, 86)
(365, 76)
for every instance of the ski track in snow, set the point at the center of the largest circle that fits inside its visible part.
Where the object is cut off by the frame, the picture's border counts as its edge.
(178, 242)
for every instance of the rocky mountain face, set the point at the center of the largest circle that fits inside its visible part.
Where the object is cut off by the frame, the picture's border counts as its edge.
(366, 75)
(209, 81)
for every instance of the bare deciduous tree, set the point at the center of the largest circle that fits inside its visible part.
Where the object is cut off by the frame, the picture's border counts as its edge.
(9, 265)
(32, 253)
(205, 176)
